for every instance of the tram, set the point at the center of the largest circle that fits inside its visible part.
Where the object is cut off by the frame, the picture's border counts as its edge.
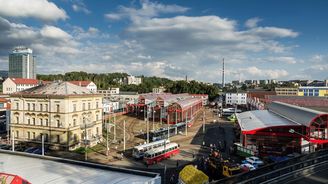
(156, 155)
(162, 132)
(139, 151)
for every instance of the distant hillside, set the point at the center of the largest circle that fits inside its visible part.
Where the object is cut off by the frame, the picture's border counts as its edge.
(107, 80)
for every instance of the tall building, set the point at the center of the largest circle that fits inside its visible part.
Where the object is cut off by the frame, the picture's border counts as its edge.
(66, 115)
(22, 63)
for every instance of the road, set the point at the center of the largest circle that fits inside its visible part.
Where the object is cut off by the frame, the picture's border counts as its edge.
(316, 178)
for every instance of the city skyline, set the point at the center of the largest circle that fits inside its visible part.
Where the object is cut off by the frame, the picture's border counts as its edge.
(272, 40)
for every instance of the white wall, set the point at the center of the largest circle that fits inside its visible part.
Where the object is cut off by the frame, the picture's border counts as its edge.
(236, 98)
(8, 86)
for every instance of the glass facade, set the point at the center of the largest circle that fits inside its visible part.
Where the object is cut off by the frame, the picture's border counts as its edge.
(22, 64)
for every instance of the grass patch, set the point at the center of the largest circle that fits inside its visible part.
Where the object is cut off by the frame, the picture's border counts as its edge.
(81, 150)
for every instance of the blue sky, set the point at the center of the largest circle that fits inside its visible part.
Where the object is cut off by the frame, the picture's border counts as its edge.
(258, 39)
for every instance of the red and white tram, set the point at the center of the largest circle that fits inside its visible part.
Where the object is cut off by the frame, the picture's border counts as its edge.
(158, 154)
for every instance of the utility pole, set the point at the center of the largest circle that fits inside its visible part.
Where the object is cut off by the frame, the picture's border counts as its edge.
(107, 146)
(85, 141)
(168, 126)
(186, 129)
(160, 115)
(114, 129)
(147, 124)
(42, 138)
(153, 118)
(204, 122)
(124, 135)
(13, 141)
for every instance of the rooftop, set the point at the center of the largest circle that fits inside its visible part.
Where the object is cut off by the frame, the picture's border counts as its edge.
(57, 88)
(80, 83)
(36, 169)
(24, 81)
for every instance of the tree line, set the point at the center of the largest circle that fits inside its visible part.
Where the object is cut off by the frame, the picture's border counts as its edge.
(110, 80)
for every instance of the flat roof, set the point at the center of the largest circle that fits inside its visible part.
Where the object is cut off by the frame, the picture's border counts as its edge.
(35, 169)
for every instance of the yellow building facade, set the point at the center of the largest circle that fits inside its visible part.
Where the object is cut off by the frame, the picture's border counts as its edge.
(66, 115)
(313, 91)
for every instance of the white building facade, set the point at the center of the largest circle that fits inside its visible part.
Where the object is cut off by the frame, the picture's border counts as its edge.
(12, 85)
(236, 98)
(87, 84)
(132, 80)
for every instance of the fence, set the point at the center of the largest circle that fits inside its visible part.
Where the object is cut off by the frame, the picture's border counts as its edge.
(278, 169)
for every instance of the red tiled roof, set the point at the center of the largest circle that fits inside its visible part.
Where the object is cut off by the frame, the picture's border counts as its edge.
(80, 83)
(24, 81)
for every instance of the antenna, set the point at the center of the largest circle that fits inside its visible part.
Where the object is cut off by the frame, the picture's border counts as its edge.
(223, 82)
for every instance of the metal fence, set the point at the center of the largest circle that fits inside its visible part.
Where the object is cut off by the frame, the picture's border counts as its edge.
(278, 169)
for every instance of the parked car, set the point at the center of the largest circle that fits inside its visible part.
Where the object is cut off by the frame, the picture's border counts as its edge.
(30, 150)
(255, 161)
(5, 146)
(250, 167)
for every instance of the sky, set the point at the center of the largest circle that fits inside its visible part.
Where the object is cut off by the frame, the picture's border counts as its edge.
(272, 39)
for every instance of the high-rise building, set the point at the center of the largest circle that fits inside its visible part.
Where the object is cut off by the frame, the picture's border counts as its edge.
(22, 63)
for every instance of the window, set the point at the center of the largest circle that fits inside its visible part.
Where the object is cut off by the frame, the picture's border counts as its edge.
(97, 105)
(40, 107)
(33, 135)
(89, 105)
(33, 105)
(46, 124)
(33, 121)
(17, 106)
(75, 138)
(83, 106)
(17, 134)
(57, 107)
(41, 121)
(97, 130)
(58, 123)
(28, 106)
(28, 135)
(29, 121)
(74, 122)
(46, 109)
(46, 137)
(74, 107)
(97, 117)
(17, 120)
(57, 139)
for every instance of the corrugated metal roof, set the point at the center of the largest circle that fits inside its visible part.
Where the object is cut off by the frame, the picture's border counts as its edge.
(38, 170)
(188, 102)
(259, 119)
(297, 114)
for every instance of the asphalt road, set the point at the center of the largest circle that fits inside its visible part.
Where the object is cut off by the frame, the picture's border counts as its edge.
(316, 178)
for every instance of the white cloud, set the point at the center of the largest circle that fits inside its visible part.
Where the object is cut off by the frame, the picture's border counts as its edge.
(282, 59)
(272, 32)
(251, 23)
(148, 10)
(54, 33)
(40, 9)
(264, 73)
(79, 6)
